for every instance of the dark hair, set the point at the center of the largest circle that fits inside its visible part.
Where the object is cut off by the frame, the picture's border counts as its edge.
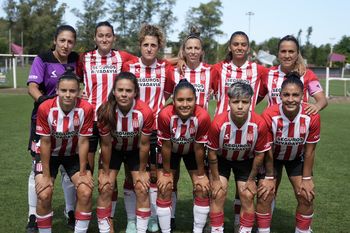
(106, 112)
(184, 83)
(68, 75)
(63, 28)
(194, 34)
(104, 23)
(240, 89)
(293, 78)
(237, 33)
(289, 38)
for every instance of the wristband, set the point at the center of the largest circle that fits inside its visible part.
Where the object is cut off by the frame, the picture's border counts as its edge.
(307, 178)
(201, 177)
(269, 177)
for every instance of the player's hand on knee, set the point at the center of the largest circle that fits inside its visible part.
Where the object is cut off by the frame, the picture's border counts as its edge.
(104, 182)
(250, 185)
(201, 183)
(42, 183)
(86, 179)
(307, 190)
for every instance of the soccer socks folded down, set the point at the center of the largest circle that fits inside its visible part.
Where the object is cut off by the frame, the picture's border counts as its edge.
(263, 222)
(246, 222)
(44, 223)
(164, 215)
(103, 215)
(200, 213)
(217, 222)
(82, 220)
(142, 217)
(303, 223)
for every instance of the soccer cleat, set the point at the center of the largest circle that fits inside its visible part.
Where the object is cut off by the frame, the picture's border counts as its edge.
(32, 227)
(131, 227)
(172, 224)
(153, 224)
(70, 219)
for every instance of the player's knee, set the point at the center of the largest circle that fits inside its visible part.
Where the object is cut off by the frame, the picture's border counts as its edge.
(84, 193)
(304, 202)
(221, 195)
(246, 196)
(45, 195)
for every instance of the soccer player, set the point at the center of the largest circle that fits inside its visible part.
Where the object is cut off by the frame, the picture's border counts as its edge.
(236, 67)
(125, 124)
(64, 124)
(291, 60)
(98, 68)
(236, 140)
(151, 75)
(294, 134)
(182, 132)
(42, 82)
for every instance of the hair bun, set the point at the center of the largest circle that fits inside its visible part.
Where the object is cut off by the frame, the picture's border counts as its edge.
(194, 32)
(69, 69)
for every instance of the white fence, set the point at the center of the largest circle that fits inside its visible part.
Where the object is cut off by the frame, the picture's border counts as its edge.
(341, 78)
(13, 64)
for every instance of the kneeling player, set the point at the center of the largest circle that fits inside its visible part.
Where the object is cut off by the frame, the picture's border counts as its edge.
(64, 124)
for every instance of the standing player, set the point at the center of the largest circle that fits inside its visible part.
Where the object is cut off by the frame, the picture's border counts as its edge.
(291, 60)
(42, 82)
(236, 67)
(125, 124)
(99, 67)
(64, 124)
(236, 140)
(294, 134)
(182, 132)
(151, 76)
(198, 74)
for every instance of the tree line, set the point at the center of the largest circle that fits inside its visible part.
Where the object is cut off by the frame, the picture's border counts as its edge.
(33, 22)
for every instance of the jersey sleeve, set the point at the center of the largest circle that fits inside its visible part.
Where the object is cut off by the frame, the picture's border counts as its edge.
(203, 128)
(42, 124)
(87, 127)
(263, 90)
(164, 125)
(37, 71)
(268, 123)
(102, 129)
(313, 85)
(215, 78)
(262, 143)
(314, 129)
(126, 57)
(80, 67)
(169, 81)
(148, 121)
(214, 135)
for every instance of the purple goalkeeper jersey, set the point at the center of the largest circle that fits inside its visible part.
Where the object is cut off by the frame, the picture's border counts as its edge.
(46, 70)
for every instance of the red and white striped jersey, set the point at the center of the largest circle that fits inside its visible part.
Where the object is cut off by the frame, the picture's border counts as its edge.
(129, 127)
(64, 129)
(200, 78)
(237, 144)
(99, 72)
(183, 134)
(151, 81)
(225, 74)
(289, 137)
(272, 81)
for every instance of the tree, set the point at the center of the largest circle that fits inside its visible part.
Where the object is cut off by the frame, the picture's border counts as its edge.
(130, 16)
(94, 12)
(207, 18)
(37, 20)
(343, 47)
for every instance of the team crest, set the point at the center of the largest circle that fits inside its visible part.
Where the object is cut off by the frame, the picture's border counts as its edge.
(76, 121)
(158, 72)
(114, 60)
(302, 129)
(250, 136)
(249, 73)
(135, 123)
(192, 130)
(203, 78)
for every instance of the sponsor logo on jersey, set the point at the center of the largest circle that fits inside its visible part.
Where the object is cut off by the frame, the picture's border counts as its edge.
(39, 128)
(238, 147)
(125, 134)
(54, 123)
(53, 74)
(182, 140)
(33, 77)
(227, 137)
(288, 141)
(64, 135)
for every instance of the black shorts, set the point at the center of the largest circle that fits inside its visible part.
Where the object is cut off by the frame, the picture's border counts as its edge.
(33, 139)
(153, 148)
(70, 163)
(175, 159)
(94, 139)
(293, 167)
(241, 169)
(130, 158)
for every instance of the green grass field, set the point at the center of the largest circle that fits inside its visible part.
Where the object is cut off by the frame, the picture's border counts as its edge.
(332, 205)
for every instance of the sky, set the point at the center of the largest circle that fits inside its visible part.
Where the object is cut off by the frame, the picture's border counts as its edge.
(330, 20)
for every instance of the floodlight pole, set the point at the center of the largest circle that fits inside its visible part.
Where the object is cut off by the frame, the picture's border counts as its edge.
(250, 14)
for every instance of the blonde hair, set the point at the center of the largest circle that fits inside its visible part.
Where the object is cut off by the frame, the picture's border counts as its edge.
(152, 30)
